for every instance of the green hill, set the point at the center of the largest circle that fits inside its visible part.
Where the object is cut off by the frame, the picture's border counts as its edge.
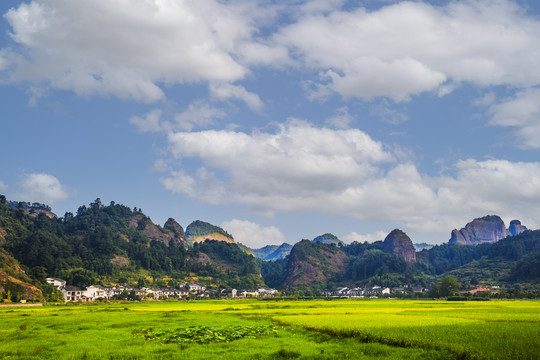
(112, 244)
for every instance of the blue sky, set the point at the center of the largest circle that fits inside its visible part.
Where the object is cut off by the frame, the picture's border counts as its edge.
(276, 120)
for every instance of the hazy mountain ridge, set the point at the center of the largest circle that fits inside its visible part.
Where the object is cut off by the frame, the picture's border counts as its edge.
(273, 252)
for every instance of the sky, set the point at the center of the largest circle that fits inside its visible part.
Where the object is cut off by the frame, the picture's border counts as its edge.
(276, 120)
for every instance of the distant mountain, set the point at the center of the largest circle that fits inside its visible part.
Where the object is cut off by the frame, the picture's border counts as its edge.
(422, 246)
(199, 231)
(398, 243)
(313, 263)
(328, 239)
(394, 262)
(516, 228)
(113, 244)
(487, 229)
(263, 252)
(273, 252)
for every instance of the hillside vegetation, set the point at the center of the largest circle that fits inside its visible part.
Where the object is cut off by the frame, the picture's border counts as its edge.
(114, 245)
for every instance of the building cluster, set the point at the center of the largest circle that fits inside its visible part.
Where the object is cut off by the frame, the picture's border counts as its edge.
(95, 292)
(372, 291)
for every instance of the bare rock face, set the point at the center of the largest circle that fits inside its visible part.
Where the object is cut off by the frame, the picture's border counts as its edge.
(487, 229)
(172, 232)
(398, 243)
(516, 228)
(177, 230)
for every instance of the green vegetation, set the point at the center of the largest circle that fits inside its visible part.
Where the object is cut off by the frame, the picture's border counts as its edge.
(329, 239)
(201, 228)
(204, 334)
(509, 262)
(273, 329)
(80, 248)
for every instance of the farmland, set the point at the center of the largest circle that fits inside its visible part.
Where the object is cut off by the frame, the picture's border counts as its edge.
(255, 329)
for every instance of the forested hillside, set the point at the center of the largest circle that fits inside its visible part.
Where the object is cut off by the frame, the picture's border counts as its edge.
(114, 244)
(513, 261)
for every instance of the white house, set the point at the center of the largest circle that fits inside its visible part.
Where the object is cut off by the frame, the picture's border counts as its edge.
(72, 293)
(231, 293)
(197, 288)
(57, 283)
(267, 292)
(248, 293)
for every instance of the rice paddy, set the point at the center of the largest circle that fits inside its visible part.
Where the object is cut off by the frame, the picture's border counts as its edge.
(256, 329)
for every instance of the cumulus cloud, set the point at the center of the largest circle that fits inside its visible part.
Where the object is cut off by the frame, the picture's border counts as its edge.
(126, 48)
(297, 161)
(252, 234)
(522, 114)
(407, 48)
(130, 49)
(346, 173)
(224, 91)
(198, 114)
(361, 238)
(43, 188)
(3, 186)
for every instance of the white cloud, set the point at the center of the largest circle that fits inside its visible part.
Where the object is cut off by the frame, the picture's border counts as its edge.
(43, 188)
(126, 48)
(407, 48)
(389, 115)
(131, 48)
(150, 123)
(3, 186)
(361, 238)
(225, 91)
(341, 118)
(522, 113)
(298, 160)
(346, 173)
(198, 114)
(252, 234)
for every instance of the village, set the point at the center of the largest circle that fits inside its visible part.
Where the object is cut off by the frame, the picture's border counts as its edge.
(195, 290)
(98, 292)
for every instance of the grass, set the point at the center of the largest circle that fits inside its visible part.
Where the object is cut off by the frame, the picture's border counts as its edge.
(345, 329)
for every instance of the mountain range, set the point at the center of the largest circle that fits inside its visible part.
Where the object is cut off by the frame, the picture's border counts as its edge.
(113, 244)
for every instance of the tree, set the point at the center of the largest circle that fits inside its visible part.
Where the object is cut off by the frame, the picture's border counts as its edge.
(449, 286)
(39, 273)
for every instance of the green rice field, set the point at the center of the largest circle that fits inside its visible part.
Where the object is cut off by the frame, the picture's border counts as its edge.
(274, 329)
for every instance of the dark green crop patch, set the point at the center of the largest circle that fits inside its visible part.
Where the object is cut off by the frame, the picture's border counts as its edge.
(205, 335)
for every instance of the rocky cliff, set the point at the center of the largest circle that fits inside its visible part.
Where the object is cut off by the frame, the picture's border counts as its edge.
(311, 263)
(171, 232)
(487, 229)
(516, 228)
(398, 243)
